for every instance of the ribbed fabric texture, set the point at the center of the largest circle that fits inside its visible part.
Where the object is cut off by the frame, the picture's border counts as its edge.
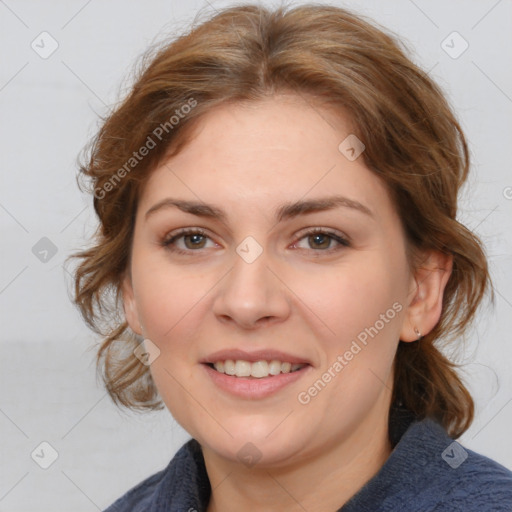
(426, 472)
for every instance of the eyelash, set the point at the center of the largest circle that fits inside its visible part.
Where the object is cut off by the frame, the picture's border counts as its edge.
(169, 242)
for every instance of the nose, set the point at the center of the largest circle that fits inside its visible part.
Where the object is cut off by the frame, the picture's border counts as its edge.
(251, 294)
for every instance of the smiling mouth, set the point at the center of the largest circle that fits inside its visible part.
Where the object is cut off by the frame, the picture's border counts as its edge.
(255, 370)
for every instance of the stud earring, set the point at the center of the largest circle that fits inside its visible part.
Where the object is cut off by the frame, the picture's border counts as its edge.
(418, 333)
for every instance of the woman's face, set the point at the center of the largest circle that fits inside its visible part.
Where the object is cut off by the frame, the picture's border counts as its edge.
(258, 288)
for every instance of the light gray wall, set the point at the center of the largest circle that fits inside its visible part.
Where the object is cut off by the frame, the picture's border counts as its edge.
(49, 108)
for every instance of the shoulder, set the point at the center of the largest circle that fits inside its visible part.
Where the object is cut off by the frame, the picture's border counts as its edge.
(476, 482)
(140, 497)
(456, 478)
(157, 491)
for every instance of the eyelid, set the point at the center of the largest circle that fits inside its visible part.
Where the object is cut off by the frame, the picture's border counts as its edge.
(323, 230)
(176, 234)
(340, 238)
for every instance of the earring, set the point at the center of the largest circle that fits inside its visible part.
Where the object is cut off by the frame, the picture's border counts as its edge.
(418, 333)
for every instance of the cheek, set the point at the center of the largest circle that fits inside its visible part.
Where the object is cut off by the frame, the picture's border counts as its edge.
(362, 309)
(348, 301)
(365, 312)
(166, 296)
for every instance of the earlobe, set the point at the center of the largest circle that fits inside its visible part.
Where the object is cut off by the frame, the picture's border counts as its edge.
(130, 306)
(427, 291)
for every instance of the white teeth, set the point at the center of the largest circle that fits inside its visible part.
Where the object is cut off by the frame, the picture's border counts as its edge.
(243, 369)
(274, 367)
(229, 367)
(258, 369)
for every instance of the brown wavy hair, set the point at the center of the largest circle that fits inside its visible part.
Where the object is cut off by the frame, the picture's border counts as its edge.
(326, 55)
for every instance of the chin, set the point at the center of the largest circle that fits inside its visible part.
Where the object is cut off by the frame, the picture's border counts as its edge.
(256, 444)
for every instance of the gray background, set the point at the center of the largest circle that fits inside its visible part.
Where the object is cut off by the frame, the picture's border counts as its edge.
(49, 109)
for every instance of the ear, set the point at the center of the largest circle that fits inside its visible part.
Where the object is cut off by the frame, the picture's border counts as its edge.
(129, 305)
(426, 295)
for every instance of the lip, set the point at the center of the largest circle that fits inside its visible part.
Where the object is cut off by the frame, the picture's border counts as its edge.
(253, 388)
(252, 357)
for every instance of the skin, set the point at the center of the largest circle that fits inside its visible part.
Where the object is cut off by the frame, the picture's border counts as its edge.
(303, 295)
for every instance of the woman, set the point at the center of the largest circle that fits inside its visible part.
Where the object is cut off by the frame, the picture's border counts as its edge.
(277, 200)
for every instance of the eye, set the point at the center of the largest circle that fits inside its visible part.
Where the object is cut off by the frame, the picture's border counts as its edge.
(321, 239)
(193, 239)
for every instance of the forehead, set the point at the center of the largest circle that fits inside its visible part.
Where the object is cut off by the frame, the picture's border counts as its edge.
(276, 125)
(281, 148)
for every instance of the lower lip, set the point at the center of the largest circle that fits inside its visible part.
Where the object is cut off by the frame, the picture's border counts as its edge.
(254, 388)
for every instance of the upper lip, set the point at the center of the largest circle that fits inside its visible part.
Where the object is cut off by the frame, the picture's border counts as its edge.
(258, 355)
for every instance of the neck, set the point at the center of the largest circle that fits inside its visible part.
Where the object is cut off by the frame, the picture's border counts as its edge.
(323, 482)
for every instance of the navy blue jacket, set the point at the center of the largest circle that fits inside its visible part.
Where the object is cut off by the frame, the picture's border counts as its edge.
(427, 471)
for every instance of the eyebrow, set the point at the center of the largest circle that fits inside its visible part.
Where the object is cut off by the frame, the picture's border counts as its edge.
(282, 212)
